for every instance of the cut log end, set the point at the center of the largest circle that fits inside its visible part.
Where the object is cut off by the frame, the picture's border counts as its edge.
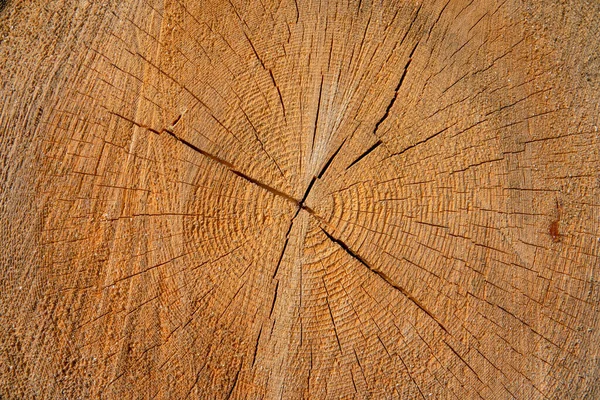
(299, 199)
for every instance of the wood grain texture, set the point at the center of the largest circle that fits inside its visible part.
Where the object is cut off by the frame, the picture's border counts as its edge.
(299, 199)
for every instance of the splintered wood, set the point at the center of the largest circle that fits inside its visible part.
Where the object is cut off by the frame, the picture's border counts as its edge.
(299, 199)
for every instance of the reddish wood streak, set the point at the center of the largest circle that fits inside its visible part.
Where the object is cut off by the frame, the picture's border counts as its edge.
(554, 233)
(553, 230)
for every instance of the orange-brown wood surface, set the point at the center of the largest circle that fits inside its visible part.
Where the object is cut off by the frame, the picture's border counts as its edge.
(295, 199)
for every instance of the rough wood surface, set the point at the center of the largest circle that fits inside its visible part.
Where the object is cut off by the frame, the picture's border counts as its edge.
(299, 199)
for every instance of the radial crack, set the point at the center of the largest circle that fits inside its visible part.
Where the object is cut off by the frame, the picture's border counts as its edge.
(328, 163)
(134, 123)
(232, 168)
(218, 160)
(235, 380)
(256, 347)
(463, 360)
(278, 93)
(260, 60)
(366, 153)
(384, 277)
(254, 50)
(337, 336)
(287, 239)
(422, 141)
(317, 114)
(275, 296)
(301, 204)
(199, 150)
(396, 90)
(266, 187)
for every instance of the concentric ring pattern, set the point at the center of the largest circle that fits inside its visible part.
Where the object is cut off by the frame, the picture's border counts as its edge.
(300, 199)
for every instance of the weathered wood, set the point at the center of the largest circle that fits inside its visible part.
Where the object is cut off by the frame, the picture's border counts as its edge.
(299, 199)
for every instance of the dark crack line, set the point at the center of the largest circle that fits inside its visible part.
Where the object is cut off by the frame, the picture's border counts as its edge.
(276, 291)
(317, 115)
(412, 22)
(218, 160)
(463, 360)
(411, 377)
(422, 141)
(337, 336)
(384, 277)
(261, 143)
(177, 138)
(287, 239)
(297, 11)
(189, 392)
(255, 131)
(328, 163)
(254, 50)
(134, 122)
(235, 381)
(366, 153)
(362, 370)
(279, 94)
(396, 90)
(437, 20)
(268, 70)
(266, 187)
(301, 205)
(256, 347)
(307, 192)
(191, 146)
(174, 124)
(239, 16)
(232, 168)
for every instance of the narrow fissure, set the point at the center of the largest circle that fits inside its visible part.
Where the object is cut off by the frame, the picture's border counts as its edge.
(421, 141)
(396, 90)
(383, 276)
(317, 115)
(328, 163)
(366, 153)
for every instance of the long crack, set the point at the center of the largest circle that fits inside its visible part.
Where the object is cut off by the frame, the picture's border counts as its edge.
(383, 276)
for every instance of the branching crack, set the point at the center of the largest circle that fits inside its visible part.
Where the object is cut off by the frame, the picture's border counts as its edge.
(383, 276)
(301, 204)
